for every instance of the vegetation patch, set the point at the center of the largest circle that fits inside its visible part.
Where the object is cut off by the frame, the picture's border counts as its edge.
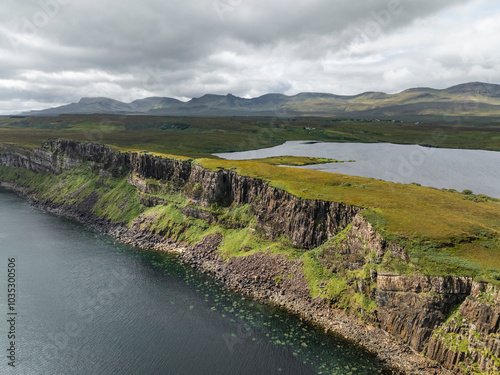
(295, 160)
(453, 341)
(436, 226)
(203, 136)
(337, 284)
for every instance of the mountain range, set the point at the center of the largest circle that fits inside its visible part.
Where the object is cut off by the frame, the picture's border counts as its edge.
(469, 99)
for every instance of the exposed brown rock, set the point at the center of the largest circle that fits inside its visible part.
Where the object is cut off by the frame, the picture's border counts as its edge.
(413, 309)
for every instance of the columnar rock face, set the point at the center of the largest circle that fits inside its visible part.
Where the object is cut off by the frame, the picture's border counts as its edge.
(149, 166)
(469, 341)
(37, 160)
(363, 236)
(452, 320)
(306, 222)
(411, 307)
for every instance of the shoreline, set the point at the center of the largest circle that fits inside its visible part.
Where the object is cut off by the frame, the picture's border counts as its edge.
(253, 276)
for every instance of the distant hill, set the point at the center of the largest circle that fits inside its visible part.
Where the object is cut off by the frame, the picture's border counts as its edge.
(469, 99)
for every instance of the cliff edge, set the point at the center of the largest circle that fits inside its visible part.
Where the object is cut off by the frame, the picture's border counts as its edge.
(320, 259)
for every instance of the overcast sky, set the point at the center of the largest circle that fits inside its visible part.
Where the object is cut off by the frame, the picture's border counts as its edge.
(54, 52)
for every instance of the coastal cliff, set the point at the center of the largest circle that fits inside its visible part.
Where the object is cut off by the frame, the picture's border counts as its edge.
(307, 223)
(268, 243)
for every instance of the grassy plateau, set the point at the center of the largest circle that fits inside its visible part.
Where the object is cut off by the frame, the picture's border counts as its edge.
(445, 232)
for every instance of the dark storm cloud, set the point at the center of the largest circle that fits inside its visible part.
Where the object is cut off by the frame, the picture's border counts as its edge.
(56, 51)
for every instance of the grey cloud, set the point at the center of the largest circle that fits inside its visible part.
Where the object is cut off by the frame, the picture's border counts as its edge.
(189, 48)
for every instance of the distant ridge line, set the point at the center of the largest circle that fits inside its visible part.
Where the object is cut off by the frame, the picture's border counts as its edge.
(413, 101)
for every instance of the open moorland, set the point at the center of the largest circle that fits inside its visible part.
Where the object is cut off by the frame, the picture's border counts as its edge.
(201, 136)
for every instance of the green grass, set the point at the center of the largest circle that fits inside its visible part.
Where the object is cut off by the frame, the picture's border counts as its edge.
(338, 285)
(295, 160)
(446, 232)
(316, 274)
(209, 135)
(463, 229)
(120, 204)
(116, 199)
(453, 340)
(337, 288)
(171, 222)
(235, 215)
(408, 214)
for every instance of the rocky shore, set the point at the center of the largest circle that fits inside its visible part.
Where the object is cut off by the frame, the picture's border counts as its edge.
(405, 319)
(255, 276)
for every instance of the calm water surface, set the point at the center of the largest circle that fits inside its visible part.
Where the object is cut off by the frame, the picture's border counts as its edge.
(87, 305)
(476, 170)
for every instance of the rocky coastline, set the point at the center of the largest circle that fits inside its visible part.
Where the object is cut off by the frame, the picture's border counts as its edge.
(419, 325)
(253, 276)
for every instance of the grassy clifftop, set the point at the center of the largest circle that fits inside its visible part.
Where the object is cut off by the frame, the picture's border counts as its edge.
(445, 231)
